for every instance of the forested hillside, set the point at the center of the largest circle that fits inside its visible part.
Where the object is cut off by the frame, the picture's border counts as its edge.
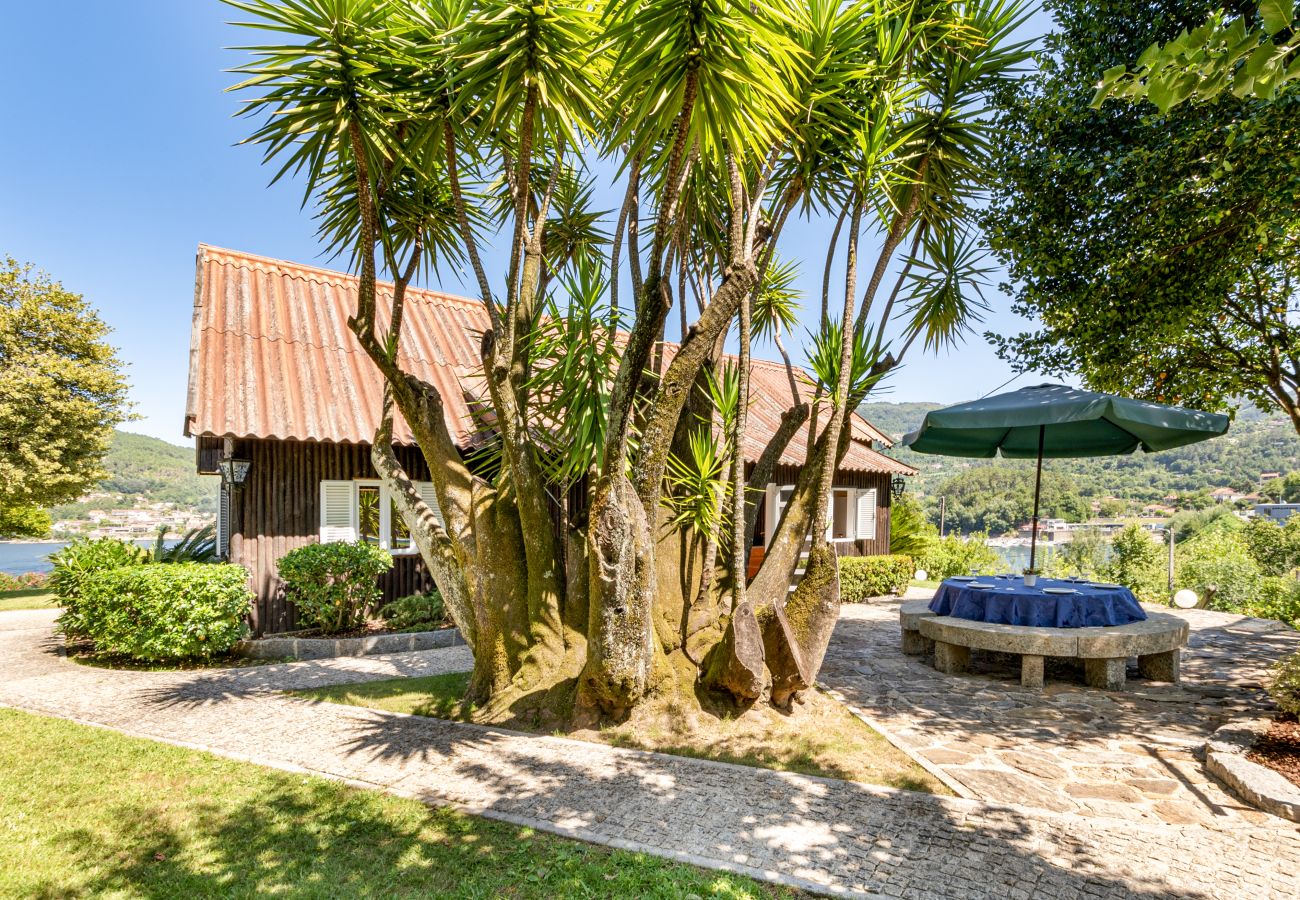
(143, 467)
(1254, 444)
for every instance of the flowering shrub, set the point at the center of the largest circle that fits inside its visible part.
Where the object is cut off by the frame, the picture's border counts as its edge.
(23, 582)
(335, 585)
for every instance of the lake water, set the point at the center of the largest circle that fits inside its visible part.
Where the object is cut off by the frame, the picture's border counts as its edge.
(17, 559)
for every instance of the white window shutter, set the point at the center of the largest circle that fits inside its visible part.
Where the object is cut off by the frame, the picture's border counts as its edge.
(338, 511)
(867, 515)
(430, 496)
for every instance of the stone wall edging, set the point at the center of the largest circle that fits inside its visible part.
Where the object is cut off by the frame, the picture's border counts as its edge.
(1258, 785)
(328, 648)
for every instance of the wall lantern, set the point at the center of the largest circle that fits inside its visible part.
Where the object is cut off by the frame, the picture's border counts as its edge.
(234, 472)
(899, 484)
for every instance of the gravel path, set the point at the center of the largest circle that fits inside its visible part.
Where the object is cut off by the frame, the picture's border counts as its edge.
(832, 836)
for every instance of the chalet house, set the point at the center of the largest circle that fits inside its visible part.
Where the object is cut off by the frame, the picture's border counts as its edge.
(280, 392)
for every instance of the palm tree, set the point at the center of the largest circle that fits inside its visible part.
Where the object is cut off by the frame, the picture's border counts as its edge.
(420, 127)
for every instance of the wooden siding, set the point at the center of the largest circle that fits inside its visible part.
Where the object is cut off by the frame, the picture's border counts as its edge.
(278, 510)
(877, 546)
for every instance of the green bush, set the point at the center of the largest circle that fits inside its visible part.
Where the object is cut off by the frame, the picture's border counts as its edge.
(1139, 562)
(910, 533)
(864, 577)
(334, 586)
(1276, 598)
(76, 564)
(418, 612)
(1285, 688)
(955, 555)
(1220, 558)
(162, 612)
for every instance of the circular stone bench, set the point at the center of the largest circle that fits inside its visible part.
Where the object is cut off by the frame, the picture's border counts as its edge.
(910, 615)
(1105, 651)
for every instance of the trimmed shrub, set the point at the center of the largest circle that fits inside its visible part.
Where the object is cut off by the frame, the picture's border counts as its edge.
(162, 612)
(418, 612)
(1285, 688)
(76, 564)
(955, 555)
(864, 577)
(335, 586)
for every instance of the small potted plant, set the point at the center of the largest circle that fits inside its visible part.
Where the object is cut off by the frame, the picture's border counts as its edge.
(1031, 577)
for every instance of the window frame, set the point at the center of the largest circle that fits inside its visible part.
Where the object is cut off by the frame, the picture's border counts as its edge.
(385, 516)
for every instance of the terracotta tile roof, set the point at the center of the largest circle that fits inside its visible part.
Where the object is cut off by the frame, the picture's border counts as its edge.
(271, 356)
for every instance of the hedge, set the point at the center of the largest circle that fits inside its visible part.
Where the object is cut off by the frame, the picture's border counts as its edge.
(864, 577)
(80, 562)
(165, 611)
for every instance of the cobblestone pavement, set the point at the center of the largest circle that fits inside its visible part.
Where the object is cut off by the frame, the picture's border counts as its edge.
(836, 836)
(1132, 755)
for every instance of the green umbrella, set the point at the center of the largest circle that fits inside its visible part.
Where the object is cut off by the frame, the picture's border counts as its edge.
(1057, 421)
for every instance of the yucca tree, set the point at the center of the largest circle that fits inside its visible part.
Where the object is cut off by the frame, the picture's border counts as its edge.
(424, 128)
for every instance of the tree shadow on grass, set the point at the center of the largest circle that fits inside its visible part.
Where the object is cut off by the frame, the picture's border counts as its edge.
(859, 837)
(854, 835)
(316, 839)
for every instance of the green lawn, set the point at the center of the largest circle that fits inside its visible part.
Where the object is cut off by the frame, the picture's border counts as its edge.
(88, 812)
(29, 598)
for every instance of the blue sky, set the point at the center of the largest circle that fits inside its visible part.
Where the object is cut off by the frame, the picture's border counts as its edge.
(118, 158)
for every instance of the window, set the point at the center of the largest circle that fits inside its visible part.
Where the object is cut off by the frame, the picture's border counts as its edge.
(841, 529)
(365, 510)
(851, 512)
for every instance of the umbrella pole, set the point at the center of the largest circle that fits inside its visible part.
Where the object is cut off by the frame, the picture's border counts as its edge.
(1038, 487)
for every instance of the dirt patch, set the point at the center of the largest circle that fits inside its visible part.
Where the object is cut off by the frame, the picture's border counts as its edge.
(1279, 749)
(817, 737)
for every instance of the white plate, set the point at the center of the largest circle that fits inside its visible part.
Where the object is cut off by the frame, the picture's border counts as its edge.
(962, 578)
(1113, 587)
(981, 584)
(1059, 591)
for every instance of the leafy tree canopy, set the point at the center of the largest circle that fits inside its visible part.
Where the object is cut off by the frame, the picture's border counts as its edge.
(1158, 251)
(1250, 55)
(24, 521)
(61, 391)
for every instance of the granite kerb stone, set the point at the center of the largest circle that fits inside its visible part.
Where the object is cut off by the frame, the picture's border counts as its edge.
(327, 648)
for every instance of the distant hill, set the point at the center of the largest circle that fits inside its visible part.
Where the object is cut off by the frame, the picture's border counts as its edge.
(143, 468)
(896, 419)
(1255, 443)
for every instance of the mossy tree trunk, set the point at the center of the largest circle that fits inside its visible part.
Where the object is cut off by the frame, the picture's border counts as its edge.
(420, 127)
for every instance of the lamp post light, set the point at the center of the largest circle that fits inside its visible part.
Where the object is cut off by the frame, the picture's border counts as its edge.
(234, 472)
(898, 485)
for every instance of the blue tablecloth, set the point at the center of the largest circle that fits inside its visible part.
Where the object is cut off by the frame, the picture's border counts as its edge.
(1011, 603)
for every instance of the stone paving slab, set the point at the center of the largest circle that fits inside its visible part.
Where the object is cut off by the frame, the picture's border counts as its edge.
(833, 836)
(1135, 755)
